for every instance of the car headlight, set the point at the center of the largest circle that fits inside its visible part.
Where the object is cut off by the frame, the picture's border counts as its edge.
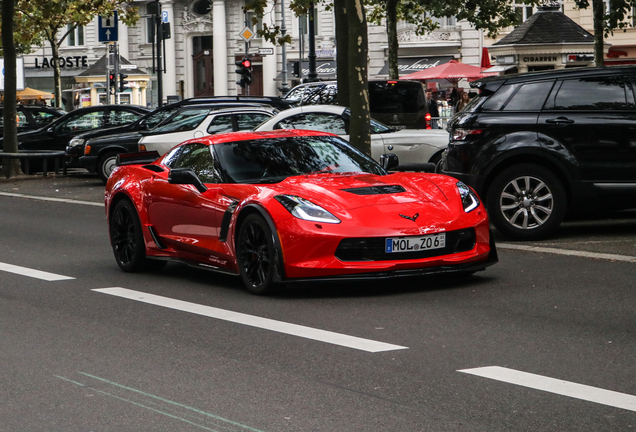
(306, 210)
(76, 142)
(470, 201)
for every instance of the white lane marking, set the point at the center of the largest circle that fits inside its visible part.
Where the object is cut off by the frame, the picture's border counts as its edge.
(254, 321)
(40, 198)
(568, 252)
(552, 385)
(10, 268)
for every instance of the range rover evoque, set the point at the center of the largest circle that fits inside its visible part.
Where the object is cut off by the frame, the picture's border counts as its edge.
(541, 145)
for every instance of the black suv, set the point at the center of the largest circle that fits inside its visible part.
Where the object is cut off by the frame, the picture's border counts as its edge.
(538, 146)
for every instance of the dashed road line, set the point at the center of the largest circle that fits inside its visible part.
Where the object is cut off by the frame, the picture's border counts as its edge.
(254, 321)
(37, 274)
(568, 252)
(557, 386)
(41, 198)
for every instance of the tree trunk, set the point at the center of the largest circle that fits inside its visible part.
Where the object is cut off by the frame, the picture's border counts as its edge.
(358, 76)
(598, 12)
(342, 51)
(10, 167)
(391, 31)
(55, 49)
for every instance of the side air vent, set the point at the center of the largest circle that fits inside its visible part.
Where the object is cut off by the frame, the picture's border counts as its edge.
(376, 190)
(155, 168)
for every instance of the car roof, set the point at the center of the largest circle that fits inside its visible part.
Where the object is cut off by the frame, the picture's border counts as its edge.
(552, 74)
(334, 109)
(247, 136)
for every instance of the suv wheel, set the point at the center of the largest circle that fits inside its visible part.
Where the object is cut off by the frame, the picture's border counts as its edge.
(526, 202)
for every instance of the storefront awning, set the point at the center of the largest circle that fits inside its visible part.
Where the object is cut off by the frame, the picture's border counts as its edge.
(407, 65)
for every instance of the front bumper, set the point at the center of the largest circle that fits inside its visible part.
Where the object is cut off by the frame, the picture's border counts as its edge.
(88, 162)
(470, 267)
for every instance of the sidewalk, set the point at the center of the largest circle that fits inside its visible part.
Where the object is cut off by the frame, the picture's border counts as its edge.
(77, 185)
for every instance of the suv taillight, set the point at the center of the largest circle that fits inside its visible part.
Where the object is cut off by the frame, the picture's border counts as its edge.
(463, 134)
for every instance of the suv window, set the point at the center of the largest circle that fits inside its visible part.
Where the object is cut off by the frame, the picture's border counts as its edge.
(530, 97)
(498, 100)
(593, 93)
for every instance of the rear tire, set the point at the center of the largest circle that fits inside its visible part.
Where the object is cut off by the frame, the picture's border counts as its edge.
(105, 166)
(256, 255)
(526, 202)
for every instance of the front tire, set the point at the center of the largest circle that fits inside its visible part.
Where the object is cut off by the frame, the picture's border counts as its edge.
(256, 252)
(526, 202)
(127, 238)
(106, 165)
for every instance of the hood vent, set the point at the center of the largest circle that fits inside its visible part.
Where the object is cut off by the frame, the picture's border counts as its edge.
(376, 190)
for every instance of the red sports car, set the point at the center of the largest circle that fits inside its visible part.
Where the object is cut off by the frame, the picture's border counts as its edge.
(291, 205)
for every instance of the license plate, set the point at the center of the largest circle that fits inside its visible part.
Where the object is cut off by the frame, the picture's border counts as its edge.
(415, 244)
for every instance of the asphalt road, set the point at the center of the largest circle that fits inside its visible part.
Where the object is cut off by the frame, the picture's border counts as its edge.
(543, 341)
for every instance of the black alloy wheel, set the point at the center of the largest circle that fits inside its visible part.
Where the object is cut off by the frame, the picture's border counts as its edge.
(126, 237)
(526, 202)
(256, 255)
(106, 165)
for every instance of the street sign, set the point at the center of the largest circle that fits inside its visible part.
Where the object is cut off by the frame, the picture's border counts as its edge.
(164, 16)
(107, 28)
(127, 66)
(247, 34)
(266, 51)
(253, 50)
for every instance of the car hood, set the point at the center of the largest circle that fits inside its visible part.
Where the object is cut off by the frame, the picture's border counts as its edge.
(351, 191)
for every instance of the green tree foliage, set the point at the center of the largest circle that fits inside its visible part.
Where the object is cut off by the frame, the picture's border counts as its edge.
(54, 20)
(606, 21)
(488, 15)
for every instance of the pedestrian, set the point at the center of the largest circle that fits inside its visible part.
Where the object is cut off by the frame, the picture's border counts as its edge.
(463, 101)
(432, 108)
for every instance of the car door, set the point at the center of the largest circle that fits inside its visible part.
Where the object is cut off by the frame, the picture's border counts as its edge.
(183, 217)
(592, 121)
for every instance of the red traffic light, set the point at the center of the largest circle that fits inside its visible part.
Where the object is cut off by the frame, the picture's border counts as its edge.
(246, 63)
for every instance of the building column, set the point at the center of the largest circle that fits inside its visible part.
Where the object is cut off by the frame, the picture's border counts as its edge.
(219, 47)
(122, 30)
(270, 65)
(170, 76)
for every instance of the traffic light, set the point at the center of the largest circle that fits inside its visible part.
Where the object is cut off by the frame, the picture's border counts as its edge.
(112, 82)
(245, 71)
(122, 82)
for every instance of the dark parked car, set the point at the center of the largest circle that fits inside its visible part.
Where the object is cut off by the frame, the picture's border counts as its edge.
(97, 150)
(396, 103)
(541, 145)
(31, 117)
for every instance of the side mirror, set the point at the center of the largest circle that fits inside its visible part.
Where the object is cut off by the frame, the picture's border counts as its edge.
(389, 161)
(186, 176)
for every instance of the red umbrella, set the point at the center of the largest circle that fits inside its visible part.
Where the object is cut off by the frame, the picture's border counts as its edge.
(453, 70)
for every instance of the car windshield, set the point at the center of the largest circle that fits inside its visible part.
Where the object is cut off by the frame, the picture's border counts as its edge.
(185, 124)
(271, 160)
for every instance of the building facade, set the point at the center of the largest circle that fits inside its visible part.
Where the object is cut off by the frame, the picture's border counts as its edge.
(207, 38)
